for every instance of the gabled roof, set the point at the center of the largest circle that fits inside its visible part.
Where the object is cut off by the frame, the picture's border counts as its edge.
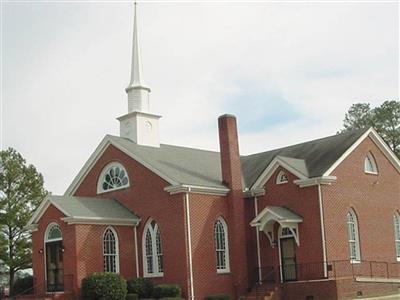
(88, 210)
(311, 158)
(182, 166)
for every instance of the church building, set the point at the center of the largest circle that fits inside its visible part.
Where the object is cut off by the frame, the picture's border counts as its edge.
(316, 220)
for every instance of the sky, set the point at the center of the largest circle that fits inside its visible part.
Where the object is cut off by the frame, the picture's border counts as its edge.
(288, 71)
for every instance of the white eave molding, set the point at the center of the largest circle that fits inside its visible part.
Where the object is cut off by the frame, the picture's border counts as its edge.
(327, 180)
(182, 188)
(101, 221)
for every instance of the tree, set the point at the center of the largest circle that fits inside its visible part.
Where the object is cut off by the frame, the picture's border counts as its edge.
(21, 191)
(385, 119)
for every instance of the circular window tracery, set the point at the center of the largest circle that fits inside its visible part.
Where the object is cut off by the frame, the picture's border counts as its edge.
(114, 176)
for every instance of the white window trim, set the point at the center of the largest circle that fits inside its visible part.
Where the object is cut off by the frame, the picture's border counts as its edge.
(105, 170)
(153, 233)
(396, 223)
(357, 259)
(46, 240)
(116, 247)
(225, 227)
(374, 166)
(278, 177)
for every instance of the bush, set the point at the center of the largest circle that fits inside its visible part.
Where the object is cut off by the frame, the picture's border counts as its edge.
(132, 297)
(217, 297)
(23, 285)
(171, 298)
(141, 286)
(167, 291)
(100, 286)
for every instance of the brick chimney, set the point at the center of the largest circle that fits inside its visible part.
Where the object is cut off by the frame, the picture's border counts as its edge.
(232, 178)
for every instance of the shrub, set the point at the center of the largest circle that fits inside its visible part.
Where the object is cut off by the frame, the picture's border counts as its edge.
(171, 298)
(132, 297)
(23, 285)
(217, 297)
(167, 291)
(100, 286)
(141, 286)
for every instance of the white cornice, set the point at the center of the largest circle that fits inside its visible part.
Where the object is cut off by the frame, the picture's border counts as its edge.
(182, 188)
(254, 192)
(315, 181)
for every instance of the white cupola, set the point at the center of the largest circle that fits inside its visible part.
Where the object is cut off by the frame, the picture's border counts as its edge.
(139, 125)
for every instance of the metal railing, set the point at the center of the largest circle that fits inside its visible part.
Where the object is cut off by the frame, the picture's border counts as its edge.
(324, 270)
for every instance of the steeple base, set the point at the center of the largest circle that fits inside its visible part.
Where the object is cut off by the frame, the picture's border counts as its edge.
(141, 128)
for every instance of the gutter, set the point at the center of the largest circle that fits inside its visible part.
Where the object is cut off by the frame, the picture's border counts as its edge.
(189, 237)
(315, 181)
(321, 214)
(183, 188)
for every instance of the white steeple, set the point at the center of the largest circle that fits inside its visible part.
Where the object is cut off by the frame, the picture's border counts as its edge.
(139, 125)
(138, 92)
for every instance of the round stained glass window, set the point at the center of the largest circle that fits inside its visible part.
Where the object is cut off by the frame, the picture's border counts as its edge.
(115, 177)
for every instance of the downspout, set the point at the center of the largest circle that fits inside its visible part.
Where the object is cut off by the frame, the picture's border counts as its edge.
(189, 244)
(258, 242)
(136, 251)
(321, 214)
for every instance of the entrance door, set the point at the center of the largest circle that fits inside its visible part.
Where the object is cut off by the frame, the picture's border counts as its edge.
(288, 259)
(54, 267)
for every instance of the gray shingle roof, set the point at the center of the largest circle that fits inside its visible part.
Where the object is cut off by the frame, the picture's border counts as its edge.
(92, 208)
(200, 167)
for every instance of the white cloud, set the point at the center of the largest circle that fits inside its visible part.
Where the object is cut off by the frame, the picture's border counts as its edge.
(66, 67)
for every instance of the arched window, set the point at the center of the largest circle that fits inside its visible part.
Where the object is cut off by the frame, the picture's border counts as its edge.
(221, 245)
(354, 242)
(152, 250)
(370, 164)
(397, 234)
(53, 233)
(110, 251)
(113, 177)
(281, 178)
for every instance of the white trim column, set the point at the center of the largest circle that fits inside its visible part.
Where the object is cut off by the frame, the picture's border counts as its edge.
(321, 213)
(258, 242)
(189, 237)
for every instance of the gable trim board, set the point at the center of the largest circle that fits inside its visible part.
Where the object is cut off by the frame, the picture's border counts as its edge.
(326, 178)
(270, 170)
(379, 142)
(97, 154)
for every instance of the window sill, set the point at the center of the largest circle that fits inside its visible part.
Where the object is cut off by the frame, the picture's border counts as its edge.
(283, 182)
(355, 261)
(153, 275)
(113, 190)
(222, 272)
(371, 173)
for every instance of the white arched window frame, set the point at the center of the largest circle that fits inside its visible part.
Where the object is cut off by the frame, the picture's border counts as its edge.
(153, 265)
(110, 250)
(113, 177)
(282, 177)
(221, 246)
(353, 235)
(53, 233)
(397, 234)
(370, 165)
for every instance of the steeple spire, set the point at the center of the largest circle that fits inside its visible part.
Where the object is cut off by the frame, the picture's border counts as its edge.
(138, 92)
(139, 124)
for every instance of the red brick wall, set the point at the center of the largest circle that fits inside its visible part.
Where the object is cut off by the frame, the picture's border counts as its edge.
(51, 215)
(89, 250)
(147, 198)
(302, 201)
(204, 212)
(375, 198)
